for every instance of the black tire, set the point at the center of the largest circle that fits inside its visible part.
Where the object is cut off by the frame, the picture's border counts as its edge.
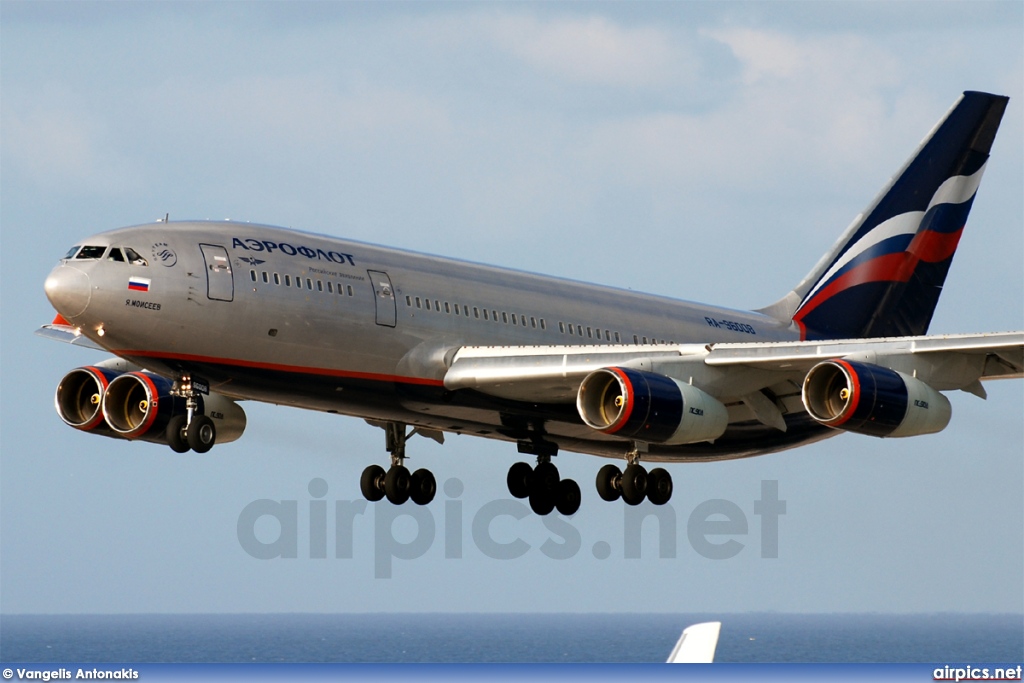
(608, 483)
(424, 486)
(201, 433)
(659, 486)
(569, 497)
(634, 485)
(544, 481)
(397, 485)
(176, 437)
(518, 479)
(542, 503)
(372, 483)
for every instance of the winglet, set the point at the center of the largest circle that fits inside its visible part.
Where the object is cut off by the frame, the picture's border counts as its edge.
(697, 644)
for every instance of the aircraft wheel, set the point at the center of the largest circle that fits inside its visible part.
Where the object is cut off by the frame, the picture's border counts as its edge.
(659, 486)
(201, 434)
(541, 502)
(397, 484)
(372, 483)
(544, 481)
(634, 484)
(176, 437)
(424, 486)
(608, 478)
(568, 497)
(518, 479)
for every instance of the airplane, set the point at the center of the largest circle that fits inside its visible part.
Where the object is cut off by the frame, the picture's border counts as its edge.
(200, 315)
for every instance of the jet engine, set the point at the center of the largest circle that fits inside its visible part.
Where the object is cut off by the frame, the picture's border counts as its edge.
(868, 399)
(136, 405)
(645, 406)
(79, 398)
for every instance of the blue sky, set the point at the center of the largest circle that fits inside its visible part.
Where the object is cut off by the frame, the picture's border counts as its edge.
(708, 151)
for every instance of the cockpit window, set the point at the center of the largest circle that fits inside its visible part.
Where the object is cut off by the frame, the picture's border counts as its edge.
(71, 251)
(91, 252)
(134, 258)
(115, 255)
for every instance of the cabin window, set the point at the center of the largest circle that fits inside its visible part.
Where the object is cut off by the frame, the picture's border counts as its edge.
(533, 322)
(330, 287)
(309, 284)
(514, 321)
(456, 309)
(350, 292)
(589, 334)
(298, 282)
(476, 312)
(277, 279)
(447, 308)
(561, 327)
(543, 325)
(437, 305)
(418, 303)
(504, 317)
(485, 314)
(617, 338)
(266, 278)
(252, 275)
(320, 285)
(635, 339)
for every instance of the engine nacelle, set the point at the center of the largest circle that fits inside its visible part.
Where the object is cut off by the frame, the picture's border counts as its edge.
(868, 399)
(138, 405)
(79, 398)
(649, 407)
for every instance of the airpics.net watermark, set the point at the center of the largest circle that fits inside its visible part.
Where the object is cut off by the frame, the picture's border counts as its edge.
(715, 529)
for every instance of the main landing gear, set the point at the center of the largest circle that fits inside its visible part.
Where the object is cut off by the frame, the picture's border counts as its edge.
(544, 488)
(634, 483)
(193, 430)
(397, 484)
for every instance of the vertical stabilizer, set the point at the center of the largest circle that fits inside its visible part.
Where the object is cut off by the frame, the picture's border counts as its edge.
(885, 274)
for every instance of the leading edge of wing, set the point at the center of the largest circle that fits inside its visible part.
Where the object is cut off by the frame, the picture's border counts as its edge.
(69, 335)
(552, 374)
(995, 355)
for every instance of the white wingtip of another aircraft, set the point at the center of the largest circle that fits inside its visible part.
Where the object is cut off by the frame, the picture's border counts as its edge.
(697, 644)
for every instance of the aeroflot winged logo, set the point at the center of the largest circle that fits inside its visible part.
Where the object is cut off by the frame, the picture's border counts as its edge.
(269, 246)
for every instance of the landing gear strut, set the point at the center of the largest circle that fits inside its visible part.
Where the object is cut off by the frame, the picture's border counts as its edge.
(634, 483)
(193, 430)
(544, 488)
(397, 484)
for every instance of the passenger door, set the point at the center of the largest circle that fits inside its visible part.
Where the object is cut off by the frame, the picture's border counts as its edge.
(220, 285)
(384, 298)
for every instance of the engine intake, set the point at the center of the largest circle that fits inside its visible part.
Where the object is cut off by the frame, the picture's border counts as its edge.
(869, 399)
(649, 407)
(79, 398)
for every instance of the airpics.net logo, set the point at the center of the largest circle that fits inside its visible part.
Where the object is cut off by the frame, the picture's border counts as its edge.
(716, 529)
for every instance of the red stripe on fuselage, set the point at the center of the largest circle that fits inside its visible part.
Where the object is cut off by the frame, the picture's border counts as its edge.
(278, 367)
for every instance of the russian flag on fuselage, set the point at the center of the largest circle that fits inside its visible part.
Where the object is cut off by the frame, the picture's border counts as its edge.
(138, 284)
(886, 276)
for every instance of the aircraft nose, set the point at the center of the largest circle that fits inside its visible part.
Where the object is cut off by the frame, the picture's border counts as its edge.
(68, 290)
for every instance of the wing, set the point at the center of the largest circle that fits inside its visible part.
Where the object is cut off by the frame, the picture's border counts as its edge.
(737, 372)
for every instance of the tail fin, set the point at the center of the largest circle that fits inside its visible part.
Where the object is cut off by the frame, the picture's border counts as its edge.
(884, 275)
